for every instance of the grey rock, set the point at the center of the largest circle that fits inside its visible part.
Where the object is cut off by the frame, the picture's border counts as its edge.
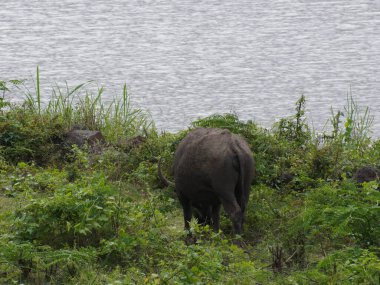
(131, 143)
(82, 137)
(366, 174)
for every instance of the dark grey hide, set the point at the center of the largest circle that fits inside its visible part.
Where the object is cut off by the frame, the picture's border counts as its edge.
(213, 167)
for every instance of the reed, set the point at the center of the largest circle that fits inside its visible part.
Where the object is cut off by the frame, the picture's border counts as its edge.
(33, 99)
(38, 91)
(359, 122)
(84, 106)
(357, 127)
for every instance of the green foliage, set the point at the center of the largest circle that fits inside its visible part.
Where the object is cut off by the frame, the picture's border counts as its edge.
(294, 129)
(230, 122)
(29, 179)
(26, 137)
(71, 215)
(79, 213)
(213, 260)
(34, 132)
(23, 261)
(344, 216)
(348, 266)
(357, 128)
(82, 107)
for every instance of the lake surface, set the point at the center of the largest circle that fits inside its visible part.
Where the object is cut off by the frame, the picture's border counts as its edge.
(182, 59)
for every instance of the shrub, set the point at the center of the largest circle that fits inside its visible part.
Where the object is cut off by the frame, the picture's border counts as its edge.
(79, 213)
(351, 265)
(26, 137)
(26, 262)
(79, 217)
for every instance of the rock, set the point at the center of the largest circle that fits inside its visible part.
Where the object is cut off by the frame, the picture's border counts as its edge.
(81, 137)
(131, 143)
(286, 178)
(366, 174)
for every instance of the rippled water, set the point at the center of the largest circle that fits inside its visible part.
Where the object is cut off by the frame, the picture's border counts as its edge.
(182, 59)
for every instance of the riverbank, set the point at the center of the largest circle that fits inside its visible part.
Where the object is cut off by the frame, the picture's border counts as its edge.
(98, 214)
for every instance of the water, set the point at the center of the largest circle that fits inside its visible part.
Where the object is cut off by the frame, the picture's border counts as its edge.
(183, 59)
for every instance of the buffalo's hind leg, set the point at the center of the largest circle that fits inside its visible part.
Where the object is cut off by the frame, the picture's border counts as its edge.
(225, 187)
(215, 216)
(187, 211)
(187, 215)
(235, 213)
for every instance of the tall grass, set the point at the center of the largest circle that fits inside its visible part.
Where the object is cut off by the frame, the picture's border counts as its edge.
(62, 102)
(358, 124)
(85, 108)
(38, 91)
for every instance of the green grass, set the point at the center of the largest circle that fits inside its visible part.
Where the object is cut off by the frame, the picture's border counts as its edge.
(71, 216)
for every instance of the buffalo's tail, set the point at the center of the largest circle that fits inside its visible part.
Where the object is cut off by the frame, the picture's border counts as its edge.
(161, 176)
(246, 175)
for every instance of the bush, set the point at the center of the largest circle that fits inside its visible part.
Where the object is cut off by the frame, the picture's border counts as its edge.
(30, 179)
(26, 262)
(78, 214)
(348, 266)
(73, 216)
(26, 137)
(338, 217)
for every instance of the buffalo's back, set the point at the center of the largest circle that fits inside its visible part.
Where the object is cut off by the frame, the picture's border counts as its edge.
(204, 158)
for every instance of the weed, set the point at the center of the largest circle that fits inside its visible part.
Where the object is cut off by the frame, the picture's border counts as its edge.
(69, 216)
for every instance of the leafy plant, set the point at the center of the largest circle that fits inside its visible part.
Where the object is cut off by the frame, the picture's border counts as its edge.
(294, 128)
(69, 215)
(79, 214)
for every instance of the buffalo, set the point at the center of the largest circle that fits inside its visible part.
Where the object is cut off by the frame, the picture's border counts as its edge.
(213, 167)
